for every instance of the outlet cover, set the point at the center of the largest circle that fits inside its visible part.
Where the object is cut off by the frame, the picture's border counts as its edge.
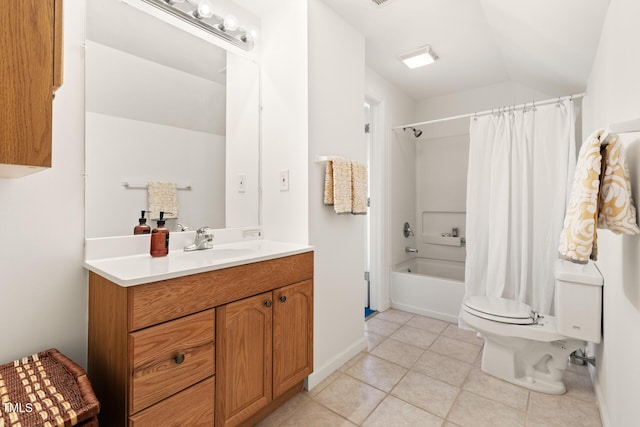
(284, 180)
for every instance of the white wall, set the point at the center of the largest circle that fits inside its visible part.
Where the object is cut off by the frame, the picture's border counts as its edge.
(613, 91)
(42, 283)
(243, 147)
(284, 73)
(397, 177)
(336, 100)
(441, 193)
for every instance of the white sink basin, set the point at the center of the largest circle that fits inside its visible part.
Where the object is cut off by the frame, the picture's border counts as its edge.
(215, 254)
(143, 268)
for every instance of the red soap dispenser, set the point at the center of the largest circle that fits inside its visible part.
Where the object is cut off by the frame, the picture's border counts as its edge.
(142, 227)
(160, 239)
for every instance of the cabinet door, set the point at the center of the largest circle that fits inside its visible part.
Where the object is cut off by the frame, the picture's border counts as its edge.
(244, 355)
(292, 335)
(26, 71)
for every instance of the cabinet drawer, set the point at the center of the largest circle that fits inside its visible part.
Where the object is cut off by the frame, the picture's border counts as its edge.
(170, 357)
(192, 407)
(158, 302)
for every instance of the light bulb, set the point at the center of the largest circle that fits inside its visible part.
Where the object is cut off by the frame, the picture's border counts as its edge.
(230, 23)
(249, 36)
(204, 10)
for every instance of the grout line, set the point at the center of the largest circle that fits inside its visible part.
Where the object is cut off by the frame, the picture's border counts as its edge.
(295, 411)
(460, 388)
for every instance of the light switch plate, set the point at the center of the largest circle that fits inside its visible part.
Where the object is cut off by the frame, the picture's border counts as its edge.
(242, 183)
(284, 180)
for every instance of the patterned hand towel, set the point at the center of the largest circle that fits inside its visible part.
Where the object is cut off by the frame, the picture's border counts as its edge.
(328, 184)
(578, 237)
(338, 185)
(617, 211)
(163, 196)
(359, 188)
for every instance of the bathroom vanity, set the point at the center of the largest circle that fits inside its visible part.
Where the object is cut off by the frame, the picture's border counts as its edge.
(204, 338)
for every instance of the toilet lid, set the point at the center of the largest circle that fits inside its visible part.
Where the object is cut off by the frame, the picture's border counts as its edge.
(499, 309)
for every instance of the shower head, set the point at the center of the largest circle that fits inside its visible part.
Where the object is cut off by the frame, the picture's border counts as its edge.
(416, 132)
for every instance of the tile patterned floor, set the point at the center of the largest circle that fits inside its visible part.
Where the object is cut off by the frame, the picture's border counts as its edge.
(419, 371)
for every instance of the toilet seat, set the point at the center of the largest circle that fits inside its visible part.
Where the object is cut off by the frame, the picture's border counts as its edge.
(545, 330)
(501, 310)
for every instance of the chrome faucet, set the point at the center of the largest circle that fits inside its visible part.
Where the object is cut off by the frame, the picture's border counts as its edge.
(410, 250)
(204, 240)
(406, 230)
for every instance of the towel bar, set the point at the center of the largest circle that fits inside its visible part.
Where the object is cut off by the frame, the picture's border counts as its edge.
(139, 185)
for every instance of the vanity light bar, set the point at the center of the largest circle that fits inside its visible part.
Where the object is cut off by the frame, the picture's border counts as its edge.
(213, 25)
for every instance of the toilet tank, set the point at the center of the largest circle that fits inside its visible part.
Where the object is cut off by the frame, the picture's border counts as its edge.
(578, 300)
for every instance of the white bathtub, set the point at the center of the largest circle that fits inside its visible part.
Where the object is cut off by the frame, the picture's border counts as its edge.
(429, 287)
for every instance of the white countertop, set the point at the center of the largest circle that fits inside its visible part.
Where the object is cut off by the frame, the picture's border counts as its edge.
(138, 269)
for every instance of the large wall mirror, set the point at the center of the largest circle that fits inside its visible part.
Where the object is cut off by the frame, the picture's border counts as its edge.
(163, 105)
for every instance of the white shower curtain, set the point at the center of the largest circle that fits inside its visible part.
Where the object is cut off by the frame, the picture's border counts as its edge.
(520, 169)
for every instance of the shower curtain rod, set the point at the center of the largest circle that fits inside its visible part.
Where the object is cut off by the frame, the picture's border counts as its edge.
(484, 113)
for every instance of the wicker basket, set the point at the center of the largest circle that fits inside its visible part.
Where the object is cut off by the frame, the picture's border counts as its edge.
(47, 389)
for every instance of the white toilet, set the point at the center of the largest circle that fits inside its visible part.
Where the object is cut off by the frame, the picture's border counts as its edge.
(530, 350)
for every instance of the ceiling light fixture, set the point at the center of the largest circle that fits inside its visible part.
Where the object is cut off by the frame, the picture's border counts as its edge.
(419, 57)
(200, 14)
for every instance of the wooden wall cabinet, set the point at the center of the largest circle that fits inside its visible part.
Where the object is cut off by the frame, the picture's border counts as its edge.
(30, 73)
(225, 347)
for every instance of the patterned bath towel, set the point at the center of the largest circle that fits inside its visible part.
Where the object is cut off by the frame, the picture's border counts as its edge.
(359, 188)
(578, 236)
(337, 186)
(163, 197)
(617, 212)
(607, 205)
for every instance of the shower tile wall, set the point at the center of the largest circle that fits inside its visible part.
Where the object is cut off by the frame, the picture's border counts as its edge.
(441, 182)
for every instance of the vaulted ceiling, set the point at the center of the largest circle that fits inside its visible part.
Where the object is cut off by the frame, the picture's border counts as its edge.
(548, 45)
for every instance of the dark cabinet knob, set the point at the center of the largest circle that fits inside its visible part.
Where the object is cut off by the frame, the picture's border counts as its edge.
(179, 358)
(283, 298)
(268, 303)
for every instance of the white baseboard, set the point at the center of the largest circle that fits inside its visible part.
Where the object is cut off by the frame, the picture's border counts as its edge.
(322, 372)
(604, 415)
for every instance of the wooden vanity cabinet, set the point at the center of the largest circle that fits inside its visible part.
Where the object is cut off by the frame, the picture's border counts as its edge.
(225, 347)
(292, 335)
(30, 73)
(265, 349)
(244, 359)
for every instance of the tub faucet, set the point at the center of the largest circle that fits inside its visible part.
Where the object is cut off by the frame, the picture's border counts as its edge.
(410, 250)
(204, 240)
(407, 231)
